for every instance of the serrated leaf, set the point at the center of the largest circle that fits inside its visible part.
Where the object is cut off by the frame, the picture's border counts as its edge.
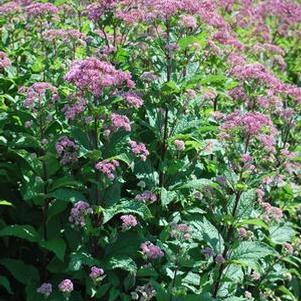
(135, 207)
(205, 231)
(127, 264)
(282, 233)
(248, 253)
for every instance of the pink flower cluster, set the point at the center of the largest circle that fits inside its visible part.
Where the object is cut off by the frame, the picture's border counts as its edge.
(181, 231)
(37, 92)
(147, 196)
(93, 75)
(4, 60)
(128, 221)
(252, 125)
(39, 9)
(180, 145)
(151, 251)
(45, 289)
(133, 99)
(10, 7)
(120, 121)
(95, 272)
(139, 149)
(108, 168)
(271, 212)
(75, 108)
(78, 213)
(66, 286)
(66, 149)
(66, 35)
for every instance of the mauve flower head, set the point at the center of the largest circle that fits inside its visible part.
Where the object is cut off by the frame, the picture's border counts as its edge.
(180, 145)
(78, 213)
(128, 221)
(219, 259)
(252, 125)
(288, 248)
(28, 124)
(242, 232)
(36, 93)
(151, 251)
(108, 168)
(208, 252)
(139, 149)
(181, 231)
(94, 75)
(188, 21)
(133, 99)
(39, 9)
(76, 107)
(45, 289)
(64, 35)
(120, 121)
(4, 60)
(66, 286)
(95, 272)
(66, 150)
(147, 196)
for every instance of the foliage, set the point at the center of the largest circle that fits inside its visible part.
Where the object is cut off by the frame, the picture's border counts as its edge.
(150, 150)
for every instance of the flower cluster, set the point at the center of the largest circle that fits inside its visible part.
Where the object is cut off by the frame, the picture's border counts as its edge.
(45, 289)
(120, 122)
(108, 168)
(79, 212)
(180, 145)
(151, 251)
(4, 60)
(95, 272)
(37, 92)
(251, 125)
(139, 149)
(75, 108)
(181, 231)
(271, 212)
(39, 9)
(147, 196)
(65, 35)
(128, 221)
(133, 99)
(66, 149)
(93, 75)
(66, 286)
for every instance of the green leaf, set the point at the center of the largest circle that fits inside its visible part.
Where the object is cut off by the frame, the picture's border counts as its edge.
(22, 272)
(205, 231)
(79, 258)
(167, 196)
(5, 283)
(5, 203)
(22, 231)
(127, 264)
(67, 195)
(248, 253)
(57, 246)
(282, 233)
(194, 184)
(135, 207)
(254, 221)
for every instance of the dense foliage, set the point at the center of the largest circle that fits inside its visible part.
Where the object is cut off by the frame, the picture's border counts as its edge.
(150, 150)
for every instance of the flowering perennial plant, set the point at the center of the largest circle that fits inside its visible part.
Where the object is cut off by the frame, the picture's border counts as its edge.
(150, 150)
